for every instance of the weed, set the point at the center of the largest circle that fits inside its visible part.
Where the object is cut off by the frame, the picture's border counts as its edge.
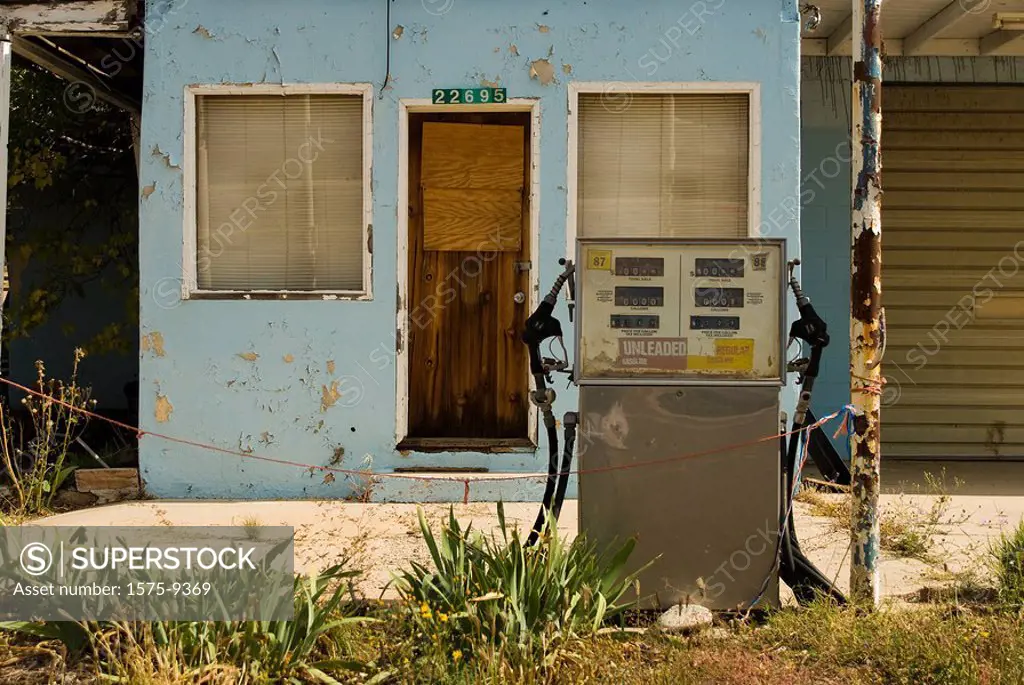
(1007, 558)
(307, 647)
(905, 529)
(252, 524)
(928, 645)
(36, 468)
(501, 600)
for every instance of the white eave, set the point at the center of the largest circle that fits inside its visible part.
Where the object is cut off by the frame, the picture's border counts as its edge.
(924, 28)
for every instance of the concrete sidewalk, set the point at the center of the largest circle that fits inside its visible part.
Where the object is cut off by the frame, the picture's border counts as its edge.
(381, 538)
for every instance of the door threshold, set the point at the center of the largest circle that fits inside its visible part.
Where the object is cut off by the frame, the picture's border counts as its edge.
(487, 445)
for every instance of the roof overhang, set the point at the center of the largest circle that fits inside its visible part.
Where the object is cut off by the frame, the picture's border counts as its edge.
(82, 41)
(68, 17)
(924, 28)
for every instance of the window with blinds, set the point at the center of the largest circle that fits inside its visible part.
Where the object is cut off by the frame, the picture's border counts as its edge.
(668, 165)
(279, 193)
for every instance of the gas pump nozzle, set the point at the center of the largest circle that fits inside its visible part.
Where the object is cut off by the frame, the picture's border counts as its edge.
(570, 300)
(541, 325)
(810, 327)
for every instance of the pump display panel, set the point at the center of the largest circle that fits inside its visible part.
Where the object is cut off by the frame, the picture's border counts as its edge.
(639, 297)
(726, 268)
(635, 321)
(728, 298)
(680, 311)
(640, 266)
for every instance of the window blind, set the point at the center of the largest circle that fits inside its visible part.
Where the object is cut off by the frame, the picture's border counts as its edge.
(279, 192)
(668, 165)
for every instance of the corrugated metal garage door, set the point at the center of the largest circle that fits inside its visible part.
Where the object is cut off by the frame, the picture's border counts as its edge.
(953, 271)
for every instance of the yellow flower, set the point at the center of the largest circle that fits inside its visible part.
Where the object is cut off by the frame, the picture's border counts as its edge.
(457, 655)
(443, 617)
(984, 633)
(425, 610)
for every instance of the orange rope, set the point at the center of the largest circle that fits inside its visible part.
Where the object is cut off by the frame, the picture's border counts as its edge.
(871, 387)
(333, 469)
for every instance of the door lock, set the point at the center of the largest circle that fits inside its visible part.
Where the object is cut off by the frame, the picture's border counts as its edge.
(519, 297)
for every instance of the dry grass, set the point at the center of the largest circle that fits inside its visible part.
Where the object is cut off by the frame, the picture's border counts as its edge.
(906, 530)
(823, 644)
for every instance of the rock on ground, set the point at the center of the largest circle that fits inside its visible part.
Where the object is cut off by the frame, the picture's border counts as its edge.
(685, 618)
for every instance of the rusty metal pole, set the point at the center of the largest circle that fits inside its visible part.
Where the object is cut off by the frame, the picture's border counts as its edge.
(5, 120)
(866, 325)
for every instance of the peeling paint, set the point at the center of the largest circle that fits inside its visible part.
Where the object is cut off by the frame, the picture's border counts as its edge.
(249, 356)
(543, 28)
(566, 68)
(513, 49)
(329, 396)
(148, 190)
(202, 31)
(866, 305)
(153, 341)
(330, 366)
(288, 358)
(543, 71)
(163, 409)
(397, 33)
(157, 152)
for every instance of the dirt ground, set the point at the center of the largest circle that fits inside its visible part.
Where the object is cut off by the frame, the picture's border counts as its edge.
(380, 538)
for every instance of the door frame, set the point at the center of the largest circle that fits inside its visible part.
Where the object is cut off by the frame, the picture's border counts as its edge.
(407, 106)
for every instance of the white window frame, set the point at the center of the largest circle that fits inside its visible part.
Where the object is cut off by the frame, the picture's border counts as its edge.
(621, 89)
(189, 282)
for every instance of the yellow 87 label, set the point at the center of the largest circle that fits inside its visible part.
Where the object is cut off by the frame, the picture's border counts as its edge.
(600, 260)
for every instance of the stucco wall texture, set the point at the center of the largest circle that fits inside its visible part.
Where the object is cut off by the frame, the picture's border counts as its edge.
(249, 375)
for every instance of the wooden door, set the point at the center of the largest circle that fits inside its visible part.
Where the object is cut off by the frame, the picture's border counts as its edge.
(468, 260)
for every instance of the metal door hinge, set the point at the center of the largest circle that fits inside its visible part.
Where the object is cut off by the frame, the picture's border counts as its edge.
(522, 266)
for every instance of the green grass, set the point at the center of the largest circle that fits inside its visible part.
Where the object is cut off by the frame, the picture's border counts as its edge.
(1007, 556)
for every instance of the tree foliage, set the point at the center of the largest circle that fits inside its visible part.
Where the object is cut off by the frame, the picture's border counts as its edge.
(73, 217)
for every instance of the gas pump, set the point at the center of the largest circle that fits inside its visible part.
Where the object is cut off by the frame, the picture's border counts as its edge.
(679, 352)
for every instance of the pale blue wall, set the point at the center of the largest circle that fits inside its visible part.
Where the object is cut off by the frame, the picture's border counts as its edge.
(220, 398)
(825, 192)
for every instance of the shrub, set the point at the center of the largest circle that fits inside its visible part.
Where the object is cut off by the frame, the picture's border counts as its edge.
(490, 593)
